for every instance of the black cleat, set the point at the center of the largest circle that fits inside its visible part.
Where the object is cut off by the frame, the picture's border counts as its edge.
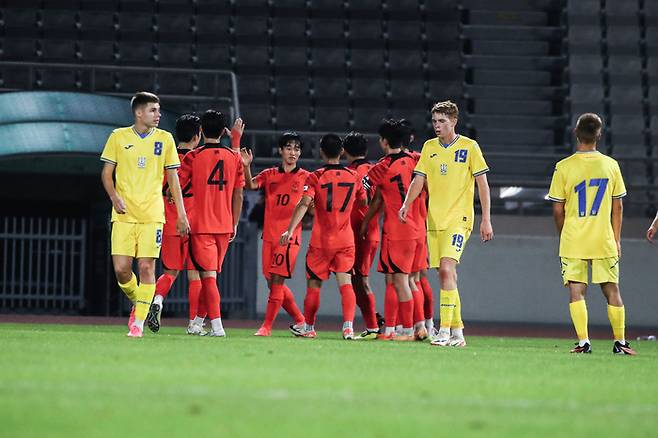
(620, 348)
(153, 317)
(584, 349)
(297, 330)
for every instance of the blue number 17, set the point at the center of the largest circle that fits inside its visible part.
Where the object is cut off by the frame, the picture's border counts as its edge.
(581, 190)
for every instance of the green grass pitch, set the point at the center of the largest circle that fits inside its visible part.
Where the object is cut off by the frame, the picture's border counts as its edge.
(92, 381)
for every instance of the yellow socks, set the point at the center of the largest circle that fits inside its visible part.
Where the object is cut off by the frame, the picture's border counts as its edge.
(130, 288)
(448, 302)
(578, 311)
(457, 322)
(617, 317)
(144, 294)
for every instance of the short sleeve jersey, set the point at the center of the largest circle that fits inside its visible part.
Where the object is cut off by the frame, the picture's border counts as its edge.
(171, 214)
(140, 167)
(283, 190)
(361, 167)
(334, 189)
(215, 172)
(450, 171)
(587, 182)
(392, 176)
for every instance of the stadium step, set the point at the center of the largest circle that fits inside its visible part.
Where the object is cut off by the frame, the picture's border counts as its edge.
(507, 106)
(510, 77)
(514, 62)
(495, 47)
(515, 33)
(508, 18)
(493, 121)
(516, 136)
(515, 92)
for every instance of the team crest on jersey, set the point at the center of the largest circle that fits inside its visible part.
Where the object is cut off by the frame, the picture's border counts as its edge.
(444, 169)
(294, 187)
(141, 162)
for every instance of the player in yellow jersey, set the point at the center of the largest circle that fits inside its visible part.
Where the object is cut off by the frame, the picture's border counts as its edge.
(586, 189)
(450, 164)
(138, 156)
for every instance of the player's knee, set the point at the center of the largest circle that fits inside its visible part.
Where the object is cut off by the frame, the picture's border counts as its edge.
(123, 274)
(146, 267)
(447, 274)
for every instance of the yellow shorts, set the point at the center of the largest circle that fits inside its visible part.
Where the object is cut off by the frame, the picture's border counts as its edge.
(137, 240)
(447, 243)
(603, 270)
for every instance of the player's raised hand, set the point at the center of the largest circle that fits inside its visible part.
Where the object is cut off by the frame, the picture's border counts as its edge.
(286, 237)
(486, 231)
(402, 213)
(236, 133)
(119, 205)
(650, 233)
(247, 156)
(183, 226)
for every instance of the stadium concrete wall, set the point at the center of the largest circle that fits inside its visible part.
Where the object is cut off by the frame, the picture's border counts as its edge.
(516, 278)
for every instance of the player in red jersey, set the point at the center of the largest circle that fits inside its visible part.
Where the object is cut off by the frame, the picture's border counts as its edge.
(283, 186)
(356, 149)
(420, 285)
(400, 249)
(217, 180)
(333, 189)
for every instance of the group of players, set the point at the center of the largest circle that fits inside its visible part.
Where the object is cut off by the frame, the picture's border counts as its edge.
(426, 200)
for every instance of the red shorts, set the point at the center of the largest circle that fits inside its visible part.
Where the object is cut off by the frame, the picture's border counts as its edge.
(399, 256)
(422, 260)
(175, 253)
(279, 260)
(320, 262)
(208, 251)
(364, 256)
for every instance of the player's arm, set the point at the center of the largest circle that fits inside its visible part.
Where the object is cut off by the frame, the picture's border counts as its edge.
(617, 213)
(182, 224)
(247, 158)
(297, 215)
(415, 188)
(236, 202)
(652, 229)
(486, 230)
(558, 216)
(373, 209)
(106, 177)
(236, 134)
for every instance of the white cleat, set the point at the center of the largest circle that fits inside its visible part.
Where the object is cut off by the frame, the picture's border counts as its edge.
(196, 330)
(457, 342)
(217, 334)
(440, 342)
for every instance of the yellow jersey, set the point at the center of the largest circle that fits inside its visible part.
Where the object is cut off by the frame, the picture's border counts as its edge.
(140, 161)
(450, 171)
(587, 182)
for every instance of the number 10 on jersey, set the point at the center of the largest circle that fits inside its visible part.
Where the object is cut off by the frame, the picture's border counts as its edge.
(581, 190)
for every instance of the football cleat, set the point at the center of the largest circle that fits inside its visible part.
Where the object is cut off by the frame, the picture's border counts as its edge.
(584, 349)
(368, 335)
(440, 342)
(263, 331)
(420, 334)
(308, 334)
(297, 329)
(153, 317)
(217, 334)
(348, 334)
(131, 318)
(619, 348)
(135, 332)
(383, 337)
(196, 330)
(457, 342)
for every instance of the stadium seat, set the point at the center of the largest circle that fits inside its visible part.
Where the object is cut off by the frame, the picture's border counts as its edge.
(405, 60)
(327, 29)
(136, 53)
(250, 26)
(19, 49)
(626, 99)
(290, 57)
(329, 88)
(292, 90)
(367, 119)
(365, 31)
(99, 23)
(175, 54)
(363, 59)
(331, 119)
(585, 36)
(333, 58)
(98, 52)
(292, 117)
(58, 50)
(175, 83)
(212, 28)
(623, 40)
(288, 27)
(404, 31)
(627, 133)
(257, 116)
(257, 86)
(369, 89)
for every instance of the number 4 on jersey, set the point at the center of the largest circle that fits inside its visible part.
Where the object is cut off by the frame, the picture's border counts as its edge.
(581, 190)
(216, 177)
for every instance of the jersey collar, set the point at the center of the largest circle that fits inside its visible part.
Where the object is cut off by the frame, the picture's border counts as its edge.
(142, 136)
(334, 166)
(358, 162)
(446, 146)
(282, 170)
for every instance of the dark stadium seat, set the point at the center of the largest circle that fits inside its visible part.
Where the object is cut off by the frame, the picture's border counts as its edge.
(256, 116)
(331, 119)
(98, 23)
(368, 119)
(131, 23)
(367, 88)
(175, 55)
(292, 90)
(366, 31)
(251, 56)
(98, 52)
(585, 65)
(407, 90)
(21, 18)
(623, 40)
(290, 56)
(327, 29)
(292, 117)
(626, 99)
(586, 35)
(405, 60)
(59, 20)
(136, 53)
(404, 31)
(19, 49)
(330, 88)
(333, 58)
(627, 134)
(212, 27)
(367, 59)
(249, 26)
(170, 83)
(55, 80)
(257, 86)
(583, 7)
(58, 50)
(289, 27)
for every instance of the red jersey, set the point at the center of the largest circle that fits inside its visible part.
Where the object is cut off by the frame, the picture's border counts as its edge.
(215, 172)
(283, 190)
(171, 214)
(334, 189)
(392, 176)
(421, 204)
(362, 167)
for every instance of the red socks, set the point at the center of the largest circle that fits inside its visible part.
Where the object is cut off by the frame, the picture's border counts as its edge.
(407, 310)
(390, 306)
(419, 300)
(429, 298)
(290, 306)
(211, 294)
(274, 302)
(311, 305)
(163, 285)
(348, 300)
(366, 303)
(193, 294)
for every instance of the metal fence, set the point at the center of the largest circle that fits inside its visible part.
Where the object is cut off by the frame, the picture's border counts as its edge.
(43, 263)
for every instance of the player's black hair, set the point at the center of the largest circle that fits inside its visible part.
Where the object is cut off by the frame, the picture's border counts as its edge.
(331, 145)
(355, 144)
(289, 136)
(408, 130)
(187, 126)
(142, 98)
(392, 131)
(213, 123)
